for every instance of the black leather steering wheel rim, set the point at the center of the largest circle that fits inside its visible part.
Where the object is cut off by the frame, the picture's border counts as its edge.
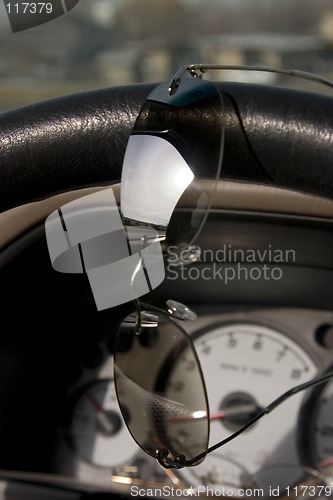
(281, 137)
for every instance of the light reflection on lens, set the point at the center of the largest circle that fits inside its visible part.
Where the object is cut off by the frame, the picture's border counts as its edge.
(143, 198)
(169, 157)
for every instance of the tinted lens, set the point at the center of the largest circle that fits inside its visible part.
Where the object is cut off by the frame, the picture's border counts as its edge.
(173, 160)
(160, 387)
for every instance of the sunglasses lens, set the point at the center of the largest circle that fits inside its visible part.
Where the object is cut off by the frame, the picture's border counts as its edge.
(173, 161)
(160, 387)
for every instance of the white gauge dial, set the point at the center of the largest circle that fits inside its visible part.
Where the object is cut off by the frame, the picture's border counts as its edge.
(245, 367)
(98, 432)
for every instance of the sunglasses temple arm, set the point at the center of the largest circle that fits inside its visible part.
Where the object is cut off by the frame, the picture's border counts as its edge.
(198, 70)
(295, 390)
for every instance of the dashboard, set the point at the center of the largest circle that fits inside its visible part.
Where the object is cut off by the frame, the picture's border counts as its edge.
(64, 415)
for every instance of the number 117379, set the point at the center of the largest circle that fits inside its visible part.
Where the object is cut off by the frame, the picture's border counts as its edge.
(29, 8)
(309, 491)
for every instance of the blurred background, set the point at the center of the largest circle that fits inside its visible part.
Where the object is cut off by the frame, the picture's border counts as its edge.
(102, 43)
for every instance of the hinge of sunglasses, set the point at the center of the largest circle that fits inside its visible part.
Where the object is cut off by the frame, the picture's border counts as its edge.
(195, 70)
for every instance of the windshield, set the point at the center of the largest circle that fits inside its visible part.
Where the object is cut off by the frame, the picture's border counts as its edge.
(87, 44)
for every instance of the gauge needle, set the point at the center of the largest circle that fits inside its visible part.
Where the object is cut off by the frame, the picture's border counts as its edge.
(103, 417)
(230, 412)
(326, 463)
(234, 412)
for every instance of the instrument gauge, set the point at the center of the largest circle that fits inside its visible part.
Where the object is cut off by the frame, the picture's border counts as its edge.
(97, 431)
(245, 367)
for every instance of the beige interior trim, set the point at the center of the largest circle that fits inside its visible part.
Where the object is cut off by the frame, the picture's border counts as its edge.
(229, 195)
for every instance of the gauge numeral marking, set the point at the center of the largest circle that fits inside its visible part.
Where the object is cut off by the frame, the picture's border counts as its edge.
(232, 342)
(258, 344)
(281, 354)
(296, 374)
(206, 349)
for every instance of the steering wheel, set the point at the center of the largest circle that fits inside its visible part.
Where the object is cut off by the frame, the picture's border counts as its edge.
(274, 136)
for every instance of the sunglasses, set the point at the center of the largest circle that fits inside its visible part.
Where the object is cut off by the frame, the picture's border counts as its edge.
(171, 168)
